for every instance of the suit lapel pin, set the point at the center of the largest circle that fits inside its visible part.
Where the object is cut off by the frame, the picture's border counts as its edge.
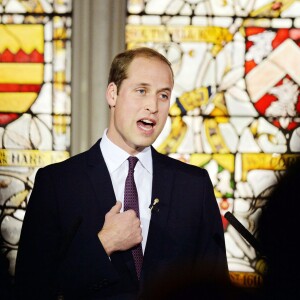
(154, 205)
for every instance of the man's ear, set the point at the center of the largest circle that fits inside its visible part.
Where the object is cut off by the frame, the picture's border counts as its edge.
(111, 94)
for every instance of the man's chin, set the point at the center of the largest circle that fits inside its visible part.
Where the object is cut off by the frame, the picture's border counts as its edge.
(146, 142)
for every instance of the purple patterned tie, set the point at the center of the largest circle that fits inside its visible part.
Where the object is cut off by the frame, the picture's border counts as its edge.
(131, 201)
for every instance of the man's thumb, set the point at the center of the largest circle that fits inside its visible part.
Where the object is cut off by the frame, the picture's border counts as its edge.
(116, 208)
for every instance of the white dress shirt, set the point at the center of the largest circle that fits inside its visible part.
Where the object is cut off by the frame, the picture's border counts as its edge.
(117, 164)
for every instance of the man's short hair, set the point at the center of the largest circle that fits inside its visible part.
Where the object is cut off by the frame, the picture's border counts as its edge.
(122, 61)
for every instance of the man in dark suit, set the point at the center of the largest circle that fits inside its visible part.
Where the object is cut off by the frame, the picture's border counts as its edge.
(77, 239)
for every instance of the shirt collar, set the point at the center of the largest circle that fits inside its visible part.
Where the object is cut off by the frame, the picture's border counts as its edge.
(115, 156)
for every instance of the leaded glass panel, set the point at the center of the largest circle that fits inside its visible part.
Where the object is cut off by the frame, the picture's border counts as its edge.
(35, 104)
(236, 102)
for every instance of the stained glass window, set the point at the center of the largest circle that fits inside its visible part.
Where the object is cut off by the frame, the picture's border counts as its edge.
(236, 102)
(35, 105)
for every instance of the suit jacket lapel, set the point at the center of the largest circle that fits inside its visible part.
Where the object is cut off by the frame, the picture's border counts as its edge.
(161, 189)
(100, 179)
(105, 199)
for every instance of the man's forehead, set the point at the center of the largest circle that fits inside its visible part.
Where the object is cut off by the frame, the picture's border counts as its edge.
(135, 65)
(139, 59)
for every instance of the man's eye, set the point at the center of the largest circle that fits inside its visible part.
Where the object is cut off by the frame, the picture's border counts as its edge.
(141, 91)
(165, 96)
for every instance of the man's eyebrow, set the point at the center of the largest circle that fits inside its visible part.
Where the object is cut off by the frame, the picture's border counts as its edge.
(160, 90)
(165, 89)
(142, 83)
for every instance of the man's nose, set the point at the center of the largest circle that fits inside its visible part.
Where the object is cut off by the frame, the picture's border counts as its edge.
(152, 104)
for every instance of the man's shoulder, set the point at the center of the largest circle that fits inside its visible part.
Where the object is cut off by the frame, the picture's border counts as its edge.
(76, 161)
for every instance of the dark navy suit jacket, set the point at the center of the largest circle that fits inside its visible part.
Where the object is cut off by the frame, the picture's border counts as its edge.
(59, 250)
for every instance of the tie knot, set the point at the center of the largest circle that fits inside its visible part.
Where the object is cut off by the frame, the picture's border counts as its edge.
(132, 162)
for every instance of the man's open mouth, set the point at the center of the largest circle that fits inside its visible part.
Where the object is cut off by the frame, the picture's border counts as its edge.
(146, 124)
